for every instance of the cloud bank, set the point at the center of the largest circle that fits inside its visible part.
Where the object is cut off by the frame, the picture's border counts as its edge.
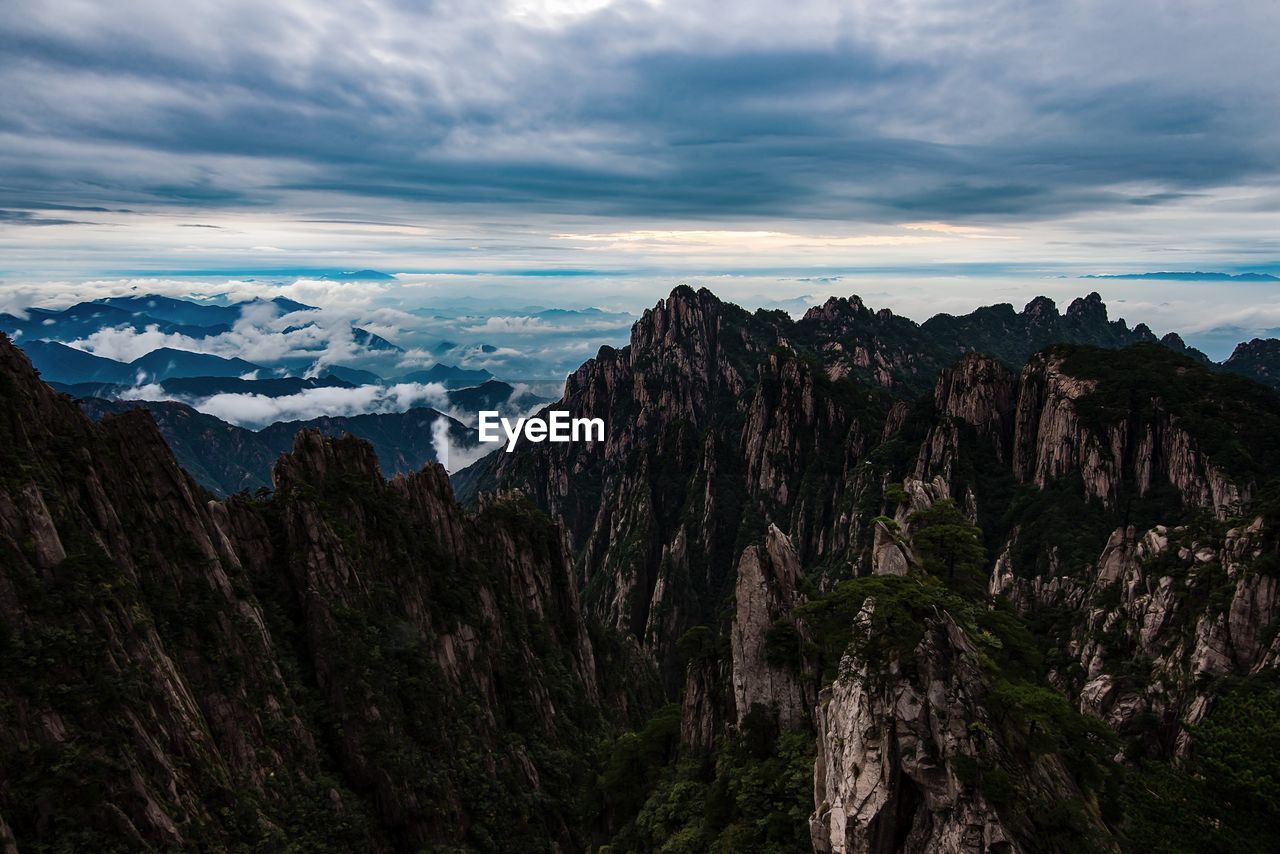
(256, 411)
(531, 132)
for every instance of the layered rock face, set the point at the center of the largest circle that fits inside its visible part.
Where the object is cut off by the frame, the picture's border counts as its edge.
(354, 663)
(882, 781)
(766, 591)
(1184, 608)
(1051, 441)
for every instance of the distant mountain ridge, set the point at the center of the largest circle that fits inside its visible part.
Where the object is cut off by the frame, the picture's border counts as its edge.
(60, 363)
(190, 313)
(167, 363)
(227, 459)
(1193, 277)
(493, 395)
(450, 375)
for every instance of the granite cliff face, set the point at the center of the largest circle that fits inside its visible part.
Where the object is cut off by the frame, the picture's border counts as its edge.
(766, 591)
(903, 746)
(1145, 445)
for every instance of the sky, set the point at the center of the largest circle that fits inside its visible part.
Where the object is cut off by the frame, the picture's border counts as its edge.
(927, 155)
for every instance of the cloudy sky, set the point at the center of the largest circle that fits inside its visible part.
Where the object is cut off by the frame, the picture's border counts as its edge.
(927, 155)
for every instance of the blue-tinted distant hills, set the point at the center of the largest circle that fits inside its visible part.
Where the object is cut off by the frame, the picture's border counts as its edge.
(360, 336)
(58, 363)
(359, 276)
(225, 458)
(167, 363)
(450, 375)
(355, 376)
(197, 387)
(166, 314)
(494, 394)
(370, 341)
(1194, 277)
(84, 319)
(182, 311)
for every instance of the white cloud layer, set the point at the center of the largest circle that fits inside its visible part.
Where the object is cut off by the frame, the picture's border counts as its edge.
(256, 411)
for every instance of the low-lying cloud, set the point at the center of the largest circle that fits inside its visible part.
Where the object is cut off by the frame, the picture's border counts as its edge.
(255, 411)
(452, 456)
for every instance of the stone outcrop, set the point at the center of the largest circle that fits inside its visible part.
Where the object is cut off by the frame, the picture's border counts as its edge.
(1190, 610)
(891, 736)
(980, 392)
(1051, 441)
(766, 591)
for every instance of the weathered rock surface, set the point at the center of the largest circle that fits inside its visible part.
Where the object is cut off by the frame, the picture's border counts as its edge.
(766, 591)
(890, 737)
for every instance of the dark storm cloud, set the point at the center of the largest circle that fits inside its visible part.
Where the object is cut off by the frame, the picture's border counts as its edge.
(944, 112)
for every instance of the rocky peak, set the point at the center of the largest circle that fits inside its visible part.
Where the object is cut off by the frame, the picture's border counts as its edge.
(315, 457)
(1088, 309)
(1258, 360)
(685, 314)
(836, 309)
(1257, 348)
(1041, 308)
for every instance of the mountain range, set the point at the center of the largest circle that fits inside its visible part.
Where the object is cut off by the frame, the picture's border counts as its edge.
(60, 363)
(162, 314)
(226, 459)
(1002, 582)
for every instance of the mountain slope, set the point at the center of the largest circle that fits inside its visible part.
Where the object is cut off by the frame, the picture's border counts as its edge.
(62, 364)
(306, 671)
(1258, 360)
(167, 363)
(899, 594)
(450, 376)
(226, 459)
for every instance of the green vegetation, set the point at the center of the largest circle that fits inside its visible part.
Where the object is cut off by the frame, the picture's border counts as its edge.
(1226, 795)
(1236, 421)
(948, 542)
(751, 794)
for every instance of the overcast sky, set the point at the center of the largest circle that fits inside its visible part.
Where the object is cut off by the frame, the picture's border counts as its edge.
(962, 152)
